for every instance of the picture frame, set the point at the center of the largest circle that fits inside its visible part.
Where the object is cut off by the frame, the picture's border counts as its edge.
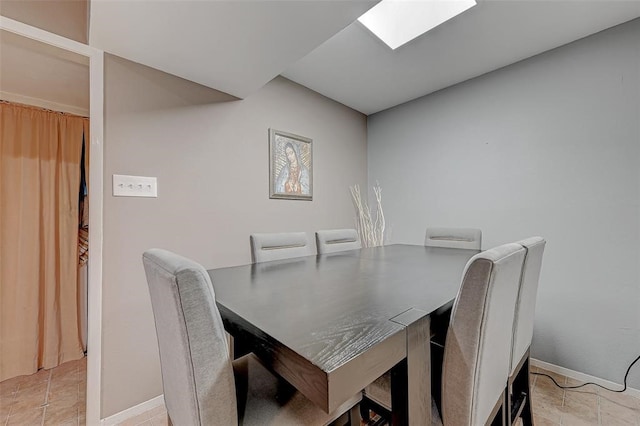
(290, 166)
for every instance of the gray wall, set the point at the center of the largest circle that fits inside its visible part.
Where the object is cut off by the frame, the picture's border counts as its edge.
(68, 18)
(211, 160)
(549, 146)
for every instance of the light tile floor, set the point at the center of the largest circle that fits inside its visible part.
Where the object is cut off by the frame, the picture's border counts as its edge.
(49, 397)
(57, 397)
(590, 405)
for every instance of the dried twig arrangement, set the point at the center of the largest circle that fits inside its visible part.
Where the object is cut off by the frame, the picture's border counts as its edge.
(371, 231)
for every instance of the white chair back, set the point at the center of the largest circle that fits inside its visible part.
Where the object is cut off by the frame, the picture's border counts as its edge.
(464, 238)
(336, 240)
(197, 375)
(478, 344)
(276, 246)
(526, 304)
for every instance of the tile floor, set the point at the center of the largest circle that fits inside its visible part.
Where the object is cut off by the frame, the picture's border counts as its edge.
(57, 397)
(589, 405)
(49, 397)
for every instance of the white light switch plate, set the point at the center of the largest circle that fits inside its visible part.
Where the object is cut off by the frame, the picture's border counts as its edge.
(134, 186)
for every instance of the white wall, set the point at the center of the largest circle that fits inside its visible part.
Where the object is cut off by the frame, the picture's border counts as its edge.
(210, 155)
(549, 146)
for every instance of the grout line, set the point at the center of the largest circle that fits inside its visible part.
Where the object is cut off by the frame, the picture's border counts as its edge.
(14, 396)
(562, 398)
(78, 403)
(15, 393)
(46, 398)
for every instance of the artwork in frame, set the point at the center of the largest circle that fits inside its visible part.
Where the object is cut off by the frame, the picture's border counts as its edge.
(290, 166)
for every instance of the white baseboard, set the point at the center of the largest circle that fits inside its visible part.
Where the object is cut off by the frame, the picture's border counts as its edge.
(583, 377)
(133, 411)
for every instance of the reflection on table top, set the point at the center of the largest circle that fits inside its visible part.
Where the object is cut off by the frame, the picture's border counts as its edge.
(331, 308)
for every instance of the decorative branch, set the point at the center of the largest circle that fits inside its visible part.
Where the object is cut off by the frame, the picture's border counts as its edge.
(371, 231)
(379, 224)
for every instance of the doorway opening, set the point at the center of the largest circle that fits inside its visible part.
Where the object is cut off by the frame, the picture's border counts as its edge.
(74, 54)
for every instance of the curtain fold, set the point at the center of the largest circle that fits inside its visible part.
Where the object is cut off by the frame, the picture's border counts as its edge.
(83, 241)
(40, 154)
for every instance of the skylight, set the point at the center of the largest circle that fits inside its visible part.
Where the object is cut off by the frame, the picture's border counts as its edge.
(397, 22)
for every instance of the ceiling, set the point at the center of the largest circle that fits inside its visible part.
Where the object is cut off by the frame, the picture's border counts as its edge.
(39, 74)
(232, 46)
(358, 70)
(238, 46)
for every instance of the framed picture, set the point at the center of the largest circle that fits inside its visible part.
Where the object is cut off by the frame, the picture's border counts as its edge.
(290, 166)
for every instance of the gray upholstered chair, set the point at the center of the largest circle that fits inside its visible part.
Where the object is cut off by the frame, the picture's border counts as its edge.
(477, 351)
(464, 238)
(335, 240)
(201, 384)
(519, 386)
(281, 245)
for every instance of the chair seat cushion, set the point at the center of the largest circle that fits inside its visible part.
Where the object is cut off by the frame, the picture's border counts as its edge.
(264, 399)
(380, 393)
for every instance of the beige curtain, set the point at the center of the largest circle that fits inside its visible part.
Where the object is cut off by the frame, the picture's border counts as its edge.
(40, 155)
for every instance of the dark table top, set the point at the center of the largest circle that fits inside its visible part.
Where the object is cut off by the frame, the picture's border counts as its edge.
(331, 308)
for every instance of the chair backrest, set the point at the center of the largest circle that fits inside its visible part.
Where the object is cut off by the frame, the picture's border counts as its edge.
(478, 346)
(197, 375)
(526, 304)
(465, 238)
(282, 245)
(334, 240)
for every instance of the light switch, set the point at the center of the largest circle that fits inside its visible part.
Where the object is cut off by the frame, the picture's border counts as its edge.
(134, 186)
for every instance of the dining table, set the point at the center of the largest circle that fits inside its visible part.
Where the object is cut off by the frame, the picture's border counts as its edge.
(331, 324)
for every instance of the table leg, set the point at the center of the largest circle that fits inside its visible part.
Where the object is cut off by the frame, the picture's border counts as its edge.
(354, 416)
(411, 378)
